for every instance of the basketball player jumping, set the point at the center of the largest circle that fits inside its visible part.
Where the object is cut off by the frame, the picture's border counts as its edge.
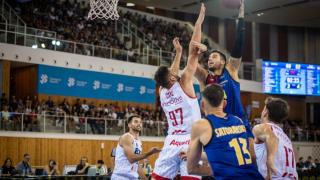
(128, 153)
(275, 157)
(180, 104)
(226, 74)
(224, 139)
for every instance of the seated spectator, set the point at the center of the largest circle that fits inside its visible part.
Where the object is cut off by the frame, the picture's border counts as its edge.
(101, 169)
(24, 167)
(50, 104)
(308, 164)
(300, 164)
(83, 167)
(84, 107)
(3, 100)
(7, 168)
(5, 117)
(317, 166)
(52, 169)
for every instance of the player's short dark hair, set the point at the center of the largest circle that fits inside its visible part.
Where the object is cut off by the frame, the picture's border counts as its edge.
(100, 161)
(161, 76)
(278, 109)
(133, 116)
(207, 54)
(26, 154)
(214, 94)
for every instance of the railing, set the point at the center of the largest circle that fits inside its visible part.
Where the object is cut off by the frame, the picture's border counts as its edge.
(7, 11)
(304, 135)
(38, 38)
(51, 122)
(146, 56)
(59, 122)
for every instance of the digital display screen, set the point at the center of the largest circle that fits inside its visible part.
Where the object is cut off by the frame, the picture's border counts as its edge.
(290, 78)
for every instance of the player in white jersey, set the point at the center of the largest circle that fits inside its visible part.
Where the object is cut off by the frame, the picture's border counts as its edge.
(179, 102)
(129, 152)
(273, 148)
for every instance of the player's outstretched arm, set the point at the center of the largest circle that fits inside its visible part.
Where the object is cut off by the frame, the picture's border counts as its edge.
(175, 66)
(126, 143)
(200, 72)
(195, 151)
(195, 48)
(264, 133)
(234, 63)
(196, 36)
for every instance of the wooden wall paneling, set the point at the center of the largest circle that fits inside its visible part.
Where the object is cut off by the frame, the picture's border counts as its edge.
(264, 36)
(6, 77)
(64, 151)
(283, 43)
(24, 81)
(247, 50)
(230, 33)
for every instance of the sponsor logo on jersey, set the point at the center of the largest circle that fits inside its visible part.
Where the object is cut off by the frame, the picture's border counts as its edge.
(179, 143)
(173, 101)
(169, 94)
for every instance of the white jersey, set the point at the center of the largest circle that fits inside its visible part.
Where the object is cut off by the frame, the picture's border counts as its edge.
(180, 109)
(123, 168)
(284, 160)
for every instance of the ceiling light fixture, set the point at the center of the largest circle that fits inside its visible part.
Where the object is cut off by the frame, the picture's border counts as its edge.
(130, 4)
(260, 14)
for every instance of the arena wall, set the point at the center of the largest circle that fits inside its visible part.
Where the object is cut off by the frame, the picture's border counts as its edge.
(65, 149)
(59, 59)
(68, 149)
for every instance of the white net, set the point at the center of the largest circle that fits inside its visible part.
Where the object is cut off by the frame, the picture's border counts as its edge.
(103, 9)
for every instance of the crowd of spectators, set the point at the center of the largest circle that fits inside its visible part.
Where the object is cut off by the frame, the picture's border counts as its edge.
(76, 115)
(69, 20)
(159, 31)
(309, 167)
(24, 168)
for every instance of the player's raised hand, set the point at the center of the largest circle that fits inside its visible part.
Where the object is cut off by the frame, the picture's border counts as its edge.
(177, 45)
(241, 10)
(154, 150)
(202, 14)
(197, 48)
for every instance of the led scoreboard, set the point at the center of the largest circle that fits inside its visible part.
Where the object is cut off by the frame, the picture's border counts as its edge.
(290, 78)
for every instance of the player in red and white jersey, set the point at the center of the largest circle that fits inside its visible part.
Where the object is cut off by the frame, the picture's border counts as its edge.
(179, 102)
(273, 148)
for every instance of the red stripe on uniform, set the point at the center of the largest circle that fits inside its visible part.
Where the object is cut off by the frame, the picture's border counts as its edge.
(284, 174)
(157, 177)
(189, 178)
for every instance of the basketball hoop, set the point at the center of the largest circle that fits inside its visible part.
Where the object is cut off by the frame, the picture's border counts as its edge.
(103, 9)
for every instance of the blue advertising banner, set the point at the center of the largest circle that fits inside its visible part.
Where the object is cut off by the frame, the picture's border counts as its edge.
(88, 84)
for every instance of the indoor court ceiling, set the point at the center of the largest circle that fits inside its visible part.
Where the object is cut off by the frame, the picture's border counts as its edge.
(280, 12)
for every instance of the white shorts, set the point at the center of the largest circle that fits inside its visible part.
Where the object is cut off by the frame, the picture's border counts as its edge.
(123, 176)
(169, 163)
